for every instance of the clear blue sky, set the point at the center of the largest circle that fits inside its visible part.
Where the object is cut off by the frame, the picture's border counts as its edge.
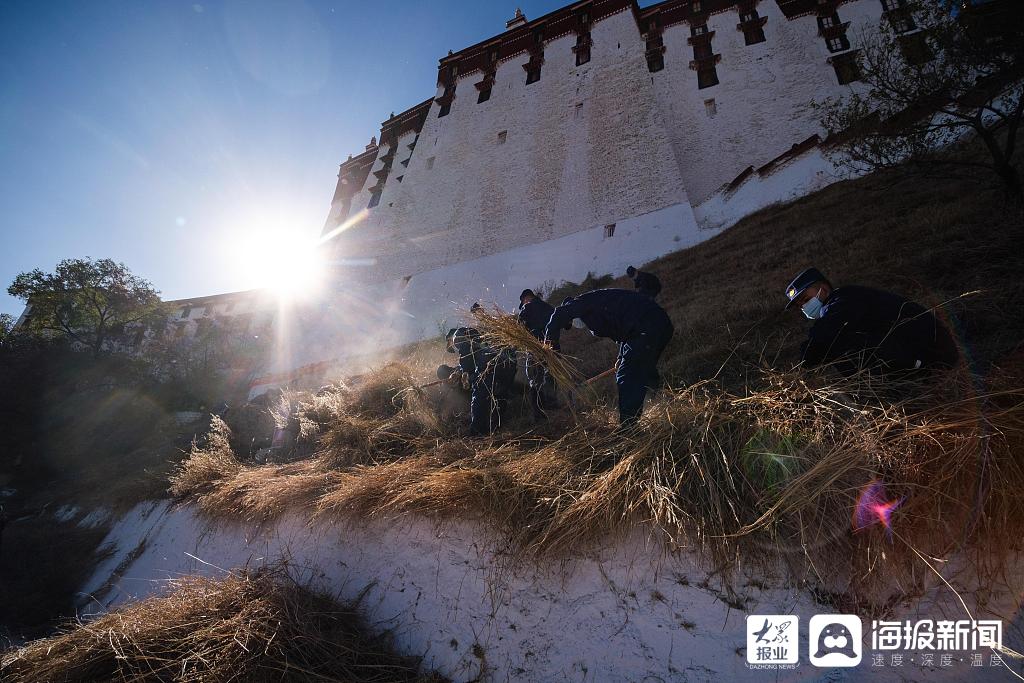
(157, 132)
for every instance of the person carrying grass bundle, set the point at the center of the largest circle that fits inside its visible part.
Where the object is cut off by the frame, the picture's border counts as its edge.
(534, 313)
(640, 326)
(859, 328)
(488, 372)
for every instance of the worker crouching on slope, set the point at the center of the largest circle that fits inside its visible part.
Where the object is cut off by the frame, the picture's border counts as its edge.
(863, 328)
(489, 374)
(640, 326)
(535, 313)
(647, 284)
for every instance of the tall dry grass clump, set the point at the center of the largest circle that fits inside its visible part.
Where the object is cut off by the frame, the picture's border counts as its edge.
(207, 464)
(259, 626)
(380, 417)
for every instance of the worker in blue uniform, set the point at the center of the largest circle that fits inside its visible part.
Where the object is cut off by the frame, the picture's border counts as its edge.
(643, 282)
(864, 328)
(640, 326)
(534, 313)
(488, 372)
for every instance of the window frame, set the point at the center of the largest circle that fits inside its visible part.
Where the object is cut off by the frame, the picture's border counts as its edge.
(828, 21)
(703, 80)
(843, 43)
(846, 67)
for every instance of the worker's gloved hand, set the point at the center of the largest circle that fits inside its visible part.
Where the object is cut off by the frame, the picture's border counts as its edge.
(458, 378)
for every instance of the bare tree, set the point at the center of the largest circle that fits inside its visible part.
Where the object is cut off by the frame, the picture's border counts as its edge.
(929, 78)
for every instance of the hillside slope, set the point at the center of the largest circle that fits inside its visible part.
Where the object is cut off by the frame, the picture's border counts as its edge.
(931, 240)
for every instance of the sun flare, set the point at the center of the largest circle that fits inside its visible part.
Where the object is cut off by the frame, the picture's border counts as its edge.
(278, 260)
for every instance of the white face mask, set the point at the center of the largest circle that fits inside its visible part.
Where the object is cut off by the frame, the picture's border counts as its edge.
(812, 309)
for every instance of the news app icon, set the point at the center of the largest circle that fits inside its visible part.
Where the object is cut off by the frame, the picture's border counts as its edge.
(835, 640)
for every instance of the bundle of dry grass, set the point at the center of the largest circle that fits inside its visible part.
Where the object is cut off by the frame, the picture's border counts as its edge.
(260, 626)
(772, 474)
(505, 330)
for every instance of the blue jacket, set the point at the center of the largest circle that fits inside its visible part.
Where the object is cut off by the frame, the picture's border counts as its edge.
(617, 314)
(535, 316)
(863, 326)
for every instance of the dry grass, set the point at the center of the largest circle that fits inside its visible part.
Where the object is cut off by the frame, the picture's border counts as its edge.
(500, 329)
(739, 463)
(738, 478)
(259, 626)
(208, 464)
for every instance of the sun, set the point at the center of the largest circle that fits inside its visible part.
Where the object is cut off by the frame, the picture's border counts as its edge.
(276, 259)
(298, 270)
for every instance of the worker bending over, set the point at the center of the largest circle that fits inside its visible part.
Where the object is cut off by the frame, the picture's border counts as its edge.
(863, 328)
(489, 374)
(647, 284)
(640, 326)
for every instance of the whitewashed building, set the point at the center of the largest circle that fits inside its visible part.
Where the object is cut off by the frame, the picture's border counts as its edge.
(598, 136)
(601, 135)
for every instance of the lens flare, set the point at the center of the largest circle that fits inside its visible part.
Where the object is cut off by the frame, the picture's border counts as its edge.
(873, 508)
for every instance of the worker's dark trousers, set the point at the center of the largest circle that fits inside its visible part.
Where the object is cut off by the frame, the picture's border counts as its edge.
(489, 399)
(638, 365)
(542, 388)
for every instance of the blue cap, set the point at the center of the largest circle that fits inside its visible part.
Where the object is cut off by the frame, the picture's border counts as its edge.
(801, 282)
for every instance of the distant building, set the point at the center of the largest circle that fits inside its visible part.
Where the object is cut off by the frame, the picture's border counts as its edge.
(252, 312)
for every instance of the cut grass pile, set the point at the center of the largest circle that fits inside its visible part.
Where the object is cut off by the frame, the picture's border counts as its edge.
(259, 626)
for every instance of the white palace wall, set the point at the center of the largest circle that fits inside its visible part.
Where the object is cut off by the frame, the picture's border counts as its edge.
(764, 99)
(478, 216)
(583, 147)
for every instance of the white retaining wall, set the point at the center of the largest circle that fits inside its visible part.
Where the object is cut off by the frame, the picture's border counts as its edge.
(449, 593)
